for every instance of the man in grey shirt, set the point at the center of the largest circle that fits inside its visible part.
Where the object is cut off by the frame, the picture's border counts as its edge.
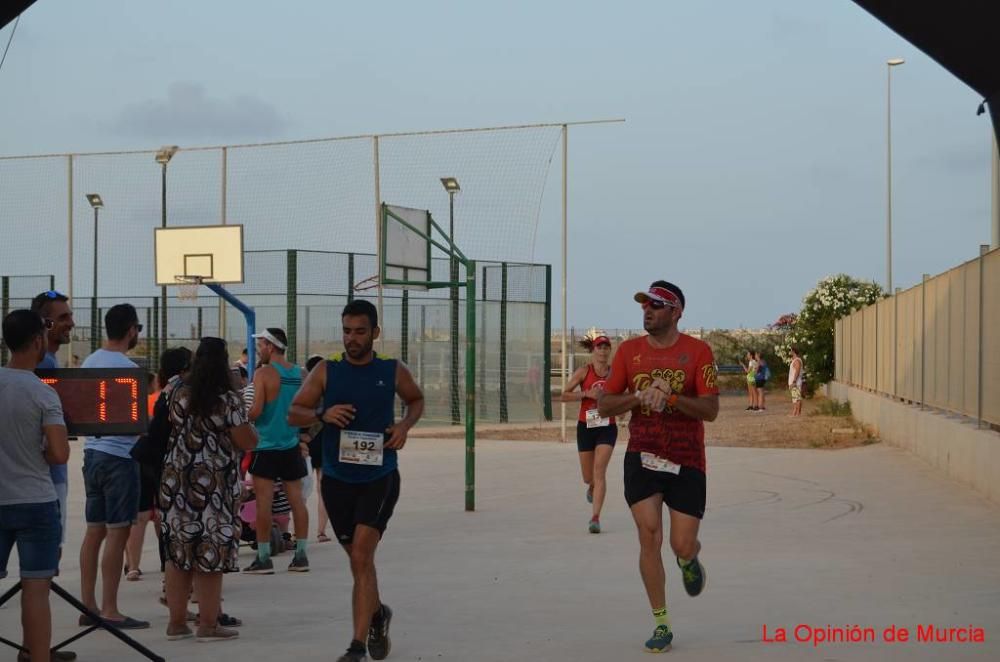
(32, 437)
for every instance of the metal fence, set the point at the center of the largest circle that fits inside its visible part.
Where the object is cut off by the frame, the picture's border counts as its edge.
(934, 344)
(304, 292)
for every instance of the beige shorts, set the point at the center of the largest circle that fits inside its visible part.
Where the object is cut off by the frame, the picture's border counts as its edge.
(796, 393)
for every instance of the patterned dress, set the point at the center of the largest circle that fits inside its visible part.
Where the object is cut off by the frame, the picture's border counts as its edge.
(200, 493)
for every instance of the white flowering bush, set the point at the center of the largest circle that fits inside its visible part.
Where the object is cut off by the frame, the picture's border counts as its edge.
(812, 333)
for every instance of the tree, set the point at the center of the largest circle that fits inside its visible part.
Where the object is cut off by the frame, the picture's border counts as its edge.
(812, 332)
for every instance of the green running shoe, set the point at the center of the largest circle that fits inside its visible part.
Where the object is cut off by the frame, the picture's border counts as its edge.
(694, 576)
(590, 494)
(660, 641)
(595, 525)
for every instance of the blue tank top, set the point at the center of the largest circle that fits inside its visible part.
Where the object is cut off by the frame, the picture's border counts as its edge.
(371, 388)
(272, 425)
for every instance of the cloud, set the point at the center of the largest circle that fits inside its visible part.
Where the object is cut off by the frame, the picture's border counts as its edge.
(188, 112)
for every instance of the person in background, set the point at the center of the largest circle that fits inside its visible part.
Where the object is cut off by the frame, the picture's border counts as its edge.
(111, 477)
(760, 380)
(199, 492)
(795, 374)
(314, 439)
(32, 438)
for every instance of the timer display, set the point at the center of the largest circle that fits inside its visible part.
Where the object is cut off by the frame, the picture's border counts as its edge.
(101, 401)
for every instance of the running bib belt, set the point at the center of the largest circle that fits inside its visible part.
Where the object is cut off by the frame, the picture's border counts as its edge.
(361, 447)
(654, 463)
(595, 420)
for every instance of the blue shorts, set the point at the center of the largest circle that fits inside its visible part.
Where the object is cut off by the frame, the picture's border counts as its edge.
(36, 530)
(112, 485)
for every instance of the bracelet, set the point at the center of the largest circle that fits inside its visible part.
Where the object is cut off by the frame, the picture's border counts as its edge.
(672, 400)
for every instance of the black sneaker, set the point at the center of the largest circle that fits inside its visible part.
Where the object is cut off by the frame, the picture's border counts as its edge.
(694, 576)
(300, 563)
(259, 567)
(379, 643)
(60, 655)
(356, 653)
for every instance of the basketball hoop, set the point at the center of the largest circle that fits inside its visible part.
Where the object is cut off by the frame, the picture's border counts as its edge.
(187, 287)
(369, 283)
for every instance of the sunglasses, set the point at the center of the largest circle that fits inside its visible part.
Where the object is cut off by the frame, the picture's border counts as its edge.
(138, 327)
(53, 294)
(48, 323)
(656, 305)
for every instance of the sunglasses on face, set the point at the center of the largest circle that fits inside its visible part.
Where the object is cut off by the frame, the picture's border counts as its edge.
(656, 305)
(48, 323)
(138, 328)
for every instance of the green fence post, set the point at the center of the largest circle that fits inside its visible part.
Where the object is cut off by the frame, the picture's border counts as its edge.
(4, 309)
(154, 332)
(470, 386)
(200, 327)
(292, 305)
(404, 322)
(52, 282)
(95, 325)
(482, 349)
(350, 277)
(149, 341)
(547, 346)
(504, 415)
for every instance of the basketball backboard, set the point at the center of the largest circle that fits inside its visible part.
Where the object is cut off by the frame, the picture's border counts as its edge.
(406, 251)
(206, 253)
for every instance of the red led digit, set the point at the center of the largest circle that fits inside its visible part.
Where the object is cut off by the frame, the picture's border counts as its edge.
(102, 405)
(134, 393)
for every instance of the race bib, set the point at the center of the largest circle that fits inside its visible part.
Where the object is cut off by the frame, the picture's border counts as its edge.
(594, 419)
(361, 447)
(655, 463)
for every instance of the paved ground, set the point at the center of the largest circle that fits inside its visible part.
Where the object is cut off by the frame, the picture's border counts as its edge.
(868, 536)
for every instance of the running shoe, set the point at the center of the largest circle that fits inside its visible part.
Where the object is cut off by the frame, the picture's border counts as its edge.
(694, 576)
(356, 653)
(660, 641)
(259, 567)
(590, 494)
(595, 525)
(379, 643)
(300, 563)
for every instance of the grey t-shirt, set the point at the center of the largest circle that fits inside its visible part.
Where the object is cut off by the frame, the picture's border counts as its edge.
(26, 404)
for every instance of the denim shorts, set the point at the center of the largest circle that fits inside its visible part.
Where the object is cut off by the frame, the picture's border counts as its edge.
(112, 485)
(35, 528)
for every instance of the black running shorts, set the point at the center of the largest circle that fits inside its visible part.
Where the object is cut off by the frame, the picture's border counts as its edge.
(286, 465)
(683, 492)
(350, 504)
(587, 439)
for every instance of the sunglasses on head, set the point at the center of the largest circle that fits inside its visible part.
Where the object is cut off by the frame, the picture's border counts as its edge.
(53, 294)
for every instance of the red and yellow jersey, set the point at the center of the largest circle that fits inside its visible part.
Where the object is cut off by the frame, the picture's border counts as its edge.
(587, 404)
(689, 367)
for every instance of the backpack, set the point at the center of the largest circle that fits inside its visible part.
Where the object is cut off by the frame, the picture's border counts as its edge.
(763, 371)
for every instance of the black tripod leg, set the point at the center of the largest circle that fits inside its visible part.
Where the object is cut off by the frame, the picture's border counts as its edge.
(125, 639)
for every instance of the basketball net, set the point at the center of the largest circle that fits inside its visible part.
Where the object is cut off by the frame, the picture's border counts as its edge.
(187, 287)
(369, 283)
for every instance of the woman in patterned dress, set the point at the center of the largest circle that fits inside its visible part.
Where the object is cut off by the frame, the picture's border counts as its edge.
(199, 493)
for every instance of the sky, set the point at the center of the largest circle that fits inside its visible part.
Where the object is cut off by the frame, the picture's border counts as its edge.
(751, 163)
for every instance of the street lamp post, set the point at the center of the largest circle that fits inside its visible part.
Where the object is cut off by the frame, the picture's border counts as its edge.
(95, 325)
(163, 157)
(451, 186)
(894, 62)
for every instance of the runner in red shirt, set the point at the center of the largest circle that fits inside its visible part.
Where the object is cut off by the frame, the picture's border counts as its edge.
(668, 380)
(595, 435)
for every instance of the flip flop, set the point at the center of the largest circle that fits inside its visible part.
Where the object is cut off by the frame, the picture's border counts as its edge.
(322, 538)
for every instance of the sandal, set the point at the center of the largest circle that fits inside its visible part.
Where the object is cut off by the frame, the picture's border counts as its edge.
(217, 634)
(177, 635)
(225, 620)
(322, 537)
(133, 575)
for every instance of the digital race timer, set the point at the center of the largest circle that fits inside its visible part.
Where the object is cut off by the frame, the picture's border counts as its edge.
(101, 401)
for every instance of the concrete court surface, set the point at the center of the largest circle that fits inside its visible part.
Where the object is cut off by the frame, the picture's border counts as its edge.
(869, 536)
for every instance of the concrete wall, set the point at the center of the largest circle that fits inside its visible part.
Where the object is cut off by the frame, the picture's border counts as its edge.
(950, 443)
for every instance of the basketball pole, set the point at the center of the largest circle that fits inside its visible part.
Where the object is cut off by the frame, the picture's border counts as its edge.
(251, 317)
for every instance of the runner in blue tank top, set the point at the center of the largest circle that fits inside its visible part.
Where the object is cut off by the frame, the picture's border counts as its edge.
(353, 394)
(277, 456)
